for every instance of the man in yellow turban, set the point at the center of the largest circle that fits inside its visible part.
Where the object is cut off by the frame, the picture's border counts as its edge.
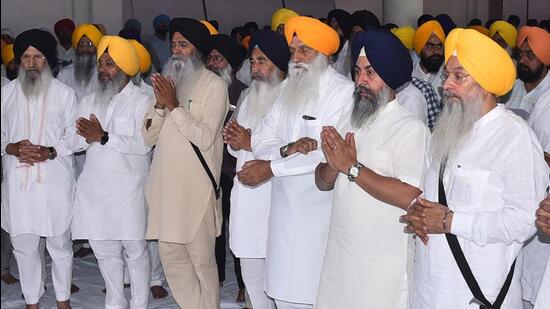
(504, 34)
(428, 43)
(286, 146)
(145, 67)
(8, 59)
(112, 213)
(479, 152)
(279, 19)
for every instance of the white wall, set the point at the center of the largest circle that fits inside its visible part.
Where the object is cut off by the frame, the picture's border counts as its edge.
(538, 9)
(461, 11)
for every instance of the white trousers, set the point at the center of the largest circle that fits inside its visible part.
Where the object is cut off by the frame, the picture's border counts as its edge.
(157, 274)
(109, 255)
(281, 304)
(253, 271)
(31, 265)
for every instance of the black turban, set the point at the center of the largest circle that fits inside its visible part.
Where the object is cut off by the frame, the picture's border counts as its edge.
(229, 48)
(39, 39)
(130, 34)
(365, 19)
(193, 30)
(386, 54)
(343, 19)
(273, 45)
(423, 18)
(446, 22)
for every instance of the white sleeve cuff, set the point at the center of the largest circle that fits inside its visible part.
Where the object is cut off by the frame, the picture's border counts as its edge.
(462, 224)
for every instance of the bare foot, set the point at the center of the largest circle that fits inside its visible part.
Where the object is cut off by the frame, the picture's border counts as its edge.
(32, 306)
(82, 252)
(74, 288)
(158, 292)
(66, 304)
(240, 296)
(9, 279)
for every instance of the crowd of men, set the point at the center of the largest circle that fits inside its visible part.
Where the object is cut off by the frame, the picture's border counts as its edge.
(353, 164)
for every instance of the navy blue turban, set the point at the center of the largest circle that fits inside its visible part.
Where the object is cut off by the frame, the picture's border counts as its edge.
(386, 54)
(273, 45)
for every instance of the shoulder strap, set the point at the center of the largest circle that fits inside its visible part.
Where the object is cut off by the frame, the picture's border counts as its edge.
(217, 189)
(465, 270)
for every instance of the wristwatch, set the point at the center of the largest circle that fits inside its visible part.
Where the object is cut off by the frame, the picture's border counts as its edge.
(104, 138)
(353, 171)
(284, 149)
(53, 153)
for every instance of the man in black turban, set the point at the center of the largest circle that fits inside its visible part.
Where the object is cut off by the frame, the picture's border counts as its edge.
(342, 22)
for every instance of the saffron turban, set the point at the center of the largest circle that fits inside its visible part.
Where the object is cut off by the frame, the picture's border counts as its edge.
(506, 30)
(39, 39)
(88, 30)
(246, 41)
(193, 30)
(209, 26)
(405, 35)
(539, 41)
(487, 62)
(313, 33)
(143, 55)
(281, 16)
(274, 46)
(123, 53)
(481, 29)
(7, 54)
(65, 23)
(423, 33)
(386, 54)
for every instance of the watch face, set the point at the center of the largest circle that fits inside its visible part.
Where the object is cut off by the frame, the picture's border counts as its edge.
(354, 171)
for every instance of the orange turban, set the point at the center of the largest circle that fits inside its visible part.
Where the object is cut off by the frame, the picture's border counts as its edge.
(423, 33)
(539, 41)
(87, 30)
(123, 53)
(487, 62)
(405, 35)
(281, 16)
(506, 30)
(481, 29)
(144, 56)
(313, 33)
(7, 54)
(246, 41)
(208, 25)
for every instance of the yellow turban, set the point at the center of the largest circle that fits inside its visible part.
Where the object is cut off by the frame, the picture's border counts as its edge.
(7, 54)
(144, 56)
(423, 33)
(313, 33)
(211, 28)
(87, 30)
(539, 41)
(487, 62)
(405, 35)
(506, 30)
(481, 29)
(281, 16)
(123, 53)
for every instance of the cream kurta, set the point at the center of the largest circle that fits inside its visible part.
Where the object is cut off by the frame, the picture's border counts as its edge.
(66, 75)
(110, 199)
(178, 190)
(39, 199)
(494, 186)
(366, 260)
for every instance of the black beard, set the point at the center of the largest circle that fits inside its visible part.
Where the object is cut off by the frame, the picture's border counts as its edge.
(432, 63)
(527, 76)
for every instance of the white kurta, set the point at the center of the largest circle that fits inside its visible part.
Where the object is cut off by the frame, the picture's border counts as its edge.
(339, 64)
(39, 199)
(249, 206)
(67, 55)
(414, 101)
(300, 213)
(543, 299)
(110, 199)
(539, 119)
(366, 260)
(494, 186)
(431, 78)
(243, 74)
(66, 75)
(522, 102)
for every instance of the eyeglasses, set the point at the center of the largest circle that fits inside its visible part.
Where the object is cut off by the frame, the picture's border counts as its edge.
(34, 58)
(215, 59)
(179, 44)
(454, 77)
(85, 44)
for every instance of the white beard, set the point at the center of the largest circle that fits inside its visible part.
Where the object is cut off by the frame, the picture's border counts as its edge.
(302, 87)
(454, 125)
(33, 88)
(260, 97)
(109, 88)
(183, 71)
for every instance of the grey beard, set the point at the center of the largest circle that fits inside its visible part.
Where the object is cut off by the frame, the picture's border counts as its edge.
(182, 70)
(302, 87)
(261, 96)
(365, 109)
(137, 80)
(454, 125)
(109, 88)
(84, 68)
(225, 74)
(34, 83)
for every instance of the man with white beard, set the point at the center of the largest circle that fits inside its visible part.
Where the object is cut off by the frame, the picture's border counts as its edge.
(486, 176)
(38, 115)
(250, 206)
(375, 171)
(110, 208)
(185, 126)
(285, 148)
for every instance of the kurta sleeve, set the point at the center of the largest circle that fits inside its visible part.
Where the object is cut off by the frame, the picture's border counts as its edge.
(156, 117)
(265, 142)
(408, 156)
(70, 141)
(203, 132)
(5, 141)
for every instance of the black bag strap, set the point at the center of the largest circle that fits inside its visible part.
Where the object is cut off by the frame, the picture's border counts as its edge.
(465, 270)
(217, 189)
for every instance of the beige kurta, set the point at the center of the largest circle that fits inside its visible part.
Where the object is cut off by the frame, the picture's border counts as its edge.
(178, 190)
